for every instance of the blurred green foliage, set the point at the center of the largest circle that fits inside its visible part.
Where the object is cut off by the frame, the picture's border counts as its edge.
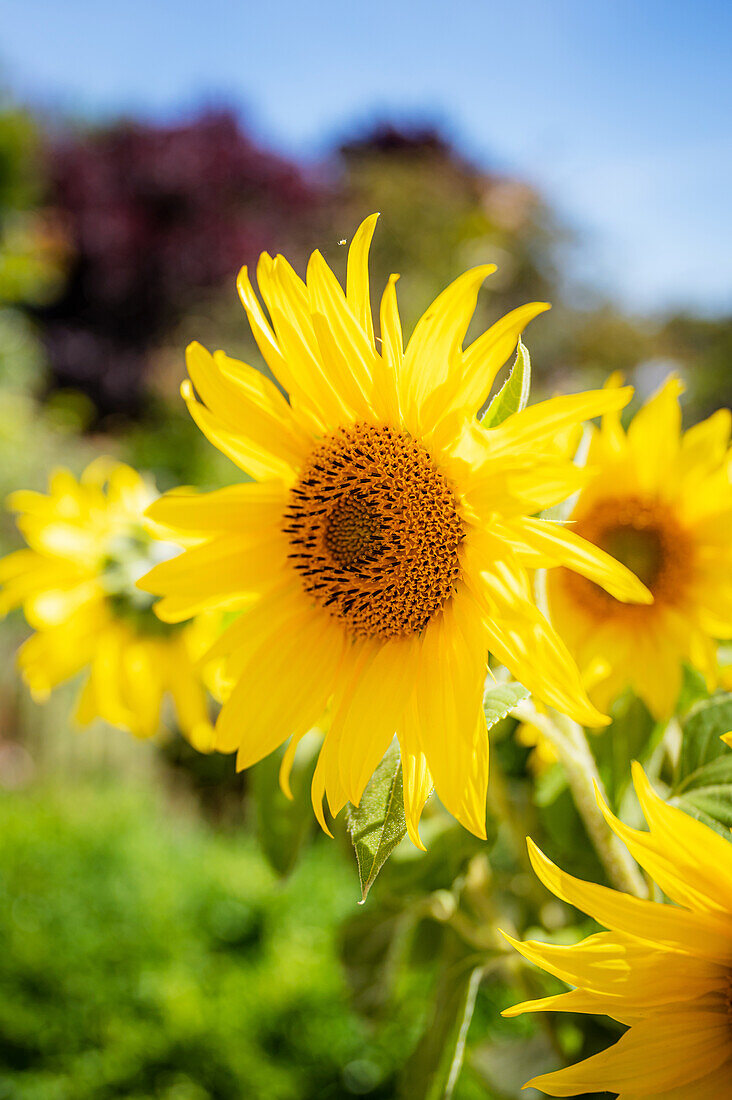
(146, 955)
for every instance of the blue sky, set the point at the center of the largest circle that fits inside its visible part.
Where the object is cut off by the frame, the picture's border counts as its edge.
(618, 109)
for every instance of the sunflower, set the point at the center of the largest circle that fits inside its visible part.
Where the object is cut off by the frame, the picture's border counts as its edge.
(88, 543)
(661, 502)
(384, 545)
(663, 970)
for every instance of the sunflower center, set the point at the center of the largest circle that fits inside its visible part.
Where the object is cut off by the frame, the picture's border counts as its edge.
(374, 531)
(646, 537)
(640, 549)
(129, 556)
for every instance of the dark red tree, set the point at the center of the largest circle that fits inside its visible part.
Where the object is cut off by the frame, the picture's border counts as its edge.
(155, 214)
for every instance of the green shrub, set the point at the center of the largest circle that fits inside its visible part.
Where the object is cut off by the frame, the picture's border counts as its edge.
(147, 955)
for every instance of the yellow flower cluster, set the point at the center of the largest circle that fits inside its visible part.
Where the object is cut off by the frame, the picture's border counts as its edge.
(88, 542)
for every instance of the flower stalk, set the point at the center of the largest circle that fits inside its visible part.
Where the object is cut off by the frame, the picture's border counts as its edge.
(570, 742)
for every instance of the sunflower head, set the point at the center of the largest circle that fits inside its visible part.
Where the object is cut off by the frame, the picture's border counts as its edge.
(659, 502)
(385, 543)
(88, 543)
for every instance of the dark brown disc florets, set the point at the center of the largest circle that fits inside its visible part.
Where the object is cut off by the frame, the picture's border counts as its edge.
(374, 531)
(645, 536)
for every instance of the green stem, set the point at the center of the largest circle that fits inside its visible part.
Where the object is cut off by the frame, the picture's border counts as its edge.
(570, 742)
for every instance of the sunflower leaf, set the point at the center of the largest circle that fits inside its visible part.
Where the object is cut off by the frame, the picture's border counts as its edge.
(513, 395)
(702, 728)
(499, 699)
(377, 824)
(713, 801)
(703, 786)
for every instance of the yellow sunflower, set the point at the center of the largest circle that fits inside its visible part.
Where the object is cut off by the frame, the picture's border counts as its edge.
(661, 502)
(664, 970)
(88, 543)
(383, 548)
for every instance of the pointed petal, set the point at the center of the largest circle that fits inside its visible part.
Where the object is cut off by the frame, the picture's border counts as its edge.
(654, 438)
(452, 731)
(538, 424)
(699, 934)
(432, 350)
(416, 775)
(283, 689)
(250, 508)
(369, 712)
(486, 355)
(244, 453)
(561, 546)
(357, 276)
(654, 1055)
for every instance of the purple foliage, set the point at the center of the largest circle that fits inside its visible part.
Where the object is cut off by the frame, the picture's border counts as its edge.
(154, 215)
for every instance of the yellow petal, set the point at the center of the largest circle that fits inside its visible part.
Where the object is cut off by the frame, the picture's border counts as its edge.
(699, 934)
(625, 974)
(230, 567)
(695, 859)
(452, 731)
(386, 374)
(357, 276)
(290, 306)
(538, 424)
(282, 690)
(561, 546)
(654, 1055)
(486, 355)
(654, 437)
(368, 714)
(346, 352)
(431, 353)
(416, 775)
(250, 508)
(522, 639)
(246, 454)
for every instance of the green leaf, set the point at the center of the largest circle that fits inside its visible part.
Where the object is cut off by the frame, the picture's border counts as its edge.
(513, 394)
(703, 786)
(702, 728)
(432, 1070)
(714, 801)
(690, 807)
(716, 772)
(283, 825)
(499, 699)
(377, 825)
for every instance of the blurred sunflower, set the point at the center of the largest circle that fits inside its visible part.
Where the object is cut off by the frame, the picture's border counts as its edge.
(661, 502)
(384, 547)
(665, 971)
(88, 543)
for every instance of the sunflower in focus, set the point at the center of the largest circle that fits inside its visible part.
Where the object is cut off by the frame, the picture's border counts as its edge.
(384, 545)
(661, 502)
(88, 542)
(663, 970)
